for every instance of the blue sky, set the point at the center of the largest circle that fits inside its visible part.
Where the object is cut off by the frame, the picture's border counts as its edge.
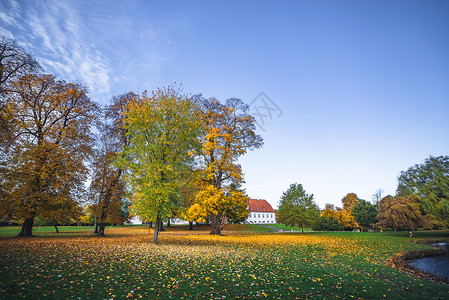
(359, 89)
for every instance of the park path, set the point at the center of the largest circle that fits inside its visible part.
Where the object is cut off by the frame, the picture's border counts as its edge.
(271, 227)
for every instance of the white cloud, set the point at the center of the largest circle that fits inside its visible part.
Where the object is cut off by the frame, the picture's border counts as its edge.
(54, 33)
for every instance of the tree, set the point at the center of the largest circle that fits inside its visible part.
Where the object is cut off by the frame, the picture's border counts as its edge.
(343, 216)
(107, 187)
(349, 200)
(377, 196)
(402, 212)
(327, 223)
(346, 216)
(229, 134)
(162, 131)
(14, 63)
(47, 166)
(430, 183)
(239, 212)
(297, 208)
(364, 213)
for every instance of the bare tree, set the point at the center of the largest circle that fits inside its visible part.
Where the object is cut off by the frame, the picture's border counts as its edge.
(14, 63)
(377, 196)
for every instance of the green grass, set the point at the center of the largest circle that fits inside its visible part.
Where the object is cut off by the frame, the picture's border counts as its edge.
(11, 231)
(289, 228)
(186, 264)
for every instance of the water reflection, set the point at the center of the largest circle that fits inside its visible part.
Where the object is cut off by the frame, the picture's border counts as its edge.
(437, 265)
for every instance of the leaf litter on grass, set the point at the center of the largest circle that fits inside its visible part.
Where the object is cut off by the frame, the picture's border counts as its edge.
(194, 266)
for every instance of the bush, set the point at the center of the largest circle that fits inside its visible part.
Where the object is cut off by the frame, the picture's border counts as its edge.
(327, 223)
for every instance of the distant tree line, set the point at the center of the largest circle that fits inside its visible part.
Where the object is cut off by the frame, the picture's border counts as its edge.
(421, 201)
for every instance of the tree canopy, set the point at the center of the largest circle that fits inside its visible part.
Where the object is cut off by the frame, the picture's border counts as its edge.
(297, 208)
(162, 131)
(14, 64)
(47, 167)
(428, 181)
(364, 213)
(229, 133)
(401, 212)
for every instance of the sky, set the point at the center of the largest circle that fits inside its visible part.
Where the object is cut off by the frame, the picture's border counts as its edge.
(346, 94)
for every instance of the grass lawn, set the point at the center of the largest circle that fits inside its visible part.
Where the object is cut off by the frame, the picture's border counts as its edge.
(289, 228)
(191, 265)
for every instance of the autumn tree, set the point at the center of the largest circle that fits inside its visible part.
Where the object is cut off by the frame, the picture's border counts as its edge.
(107, 190)
(47, 166)
(230, 133)
(428, 181)
(162, 130)
(107, 187)
(346, 216)
(401, 212)
(14, 63)
(364, 213)
(343, 216)
(297, 208)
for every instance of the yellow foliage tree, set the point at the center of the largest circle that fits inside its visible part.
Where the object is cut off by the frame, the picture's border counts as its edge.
(230, 133)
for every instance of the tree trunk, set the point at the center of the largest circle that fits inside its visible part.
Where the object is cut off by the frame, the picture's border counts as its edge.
(161, 225)
(27, 228)
(156, 229)
(101, 229)
(190, 225)
(168, 223)
(218, 226)
(96, 227)
(151, 224)
(56, 227)
(214, 223)
(149, 227)
(302, 229)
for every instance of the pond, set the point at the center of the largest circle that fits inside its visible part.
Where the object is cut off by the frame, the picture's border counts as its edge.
(437, 265)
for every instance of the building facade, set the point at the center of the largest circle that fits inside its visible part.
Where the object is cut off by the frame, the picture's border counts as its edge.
(261, 212)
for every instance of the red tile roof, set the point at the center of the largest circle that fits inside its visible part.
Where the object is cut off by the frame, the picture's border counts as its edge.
(260, 205)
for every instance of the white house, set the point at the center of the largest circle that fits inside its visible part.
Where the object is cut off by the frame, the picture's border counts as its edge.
(261, 212)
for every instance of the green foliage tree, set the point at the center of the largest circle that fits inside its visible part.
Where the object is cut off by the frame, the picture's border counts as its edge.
(238, 213)
(162, 131)
(47, 168)
(327, 223)
(364, 213)
(297, 208)
(430, 183)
